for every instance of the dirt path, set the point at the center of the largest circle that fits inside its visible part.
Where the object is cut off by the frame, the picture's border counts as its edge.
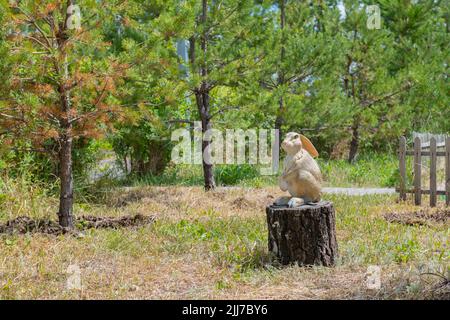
(359, 191)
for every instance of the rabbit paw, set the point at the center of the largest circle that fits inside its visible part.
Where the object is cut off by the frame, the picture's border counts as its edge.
(283, 201)
(296, 202)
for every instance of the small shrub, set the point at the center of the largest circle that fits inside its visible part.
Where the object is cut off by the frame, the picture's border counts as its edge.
(234, 174)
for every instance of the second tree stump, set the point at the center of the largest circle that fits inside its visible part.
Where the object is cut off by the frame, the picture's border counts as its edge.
(305, 235)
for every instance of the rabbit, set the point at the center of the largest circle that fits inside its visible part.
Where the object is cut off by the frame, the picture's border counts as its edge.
(301, 175)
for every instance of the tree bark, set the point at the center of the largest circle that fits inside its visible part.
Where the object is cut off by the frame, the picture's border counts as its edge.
(354, 143)
(202, 99)
(65, 213)
(280, 119)
(305, 235)
(203, 109)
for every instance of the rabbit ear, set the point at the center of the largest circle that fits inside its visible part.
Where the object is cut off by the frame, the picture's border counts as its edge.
(308, 146)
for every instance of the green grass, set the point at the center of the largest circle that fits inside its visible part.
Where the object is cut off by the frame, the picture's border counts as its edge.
(205, 247)
(192, 175)
(236, 243)
(376, 170)
(365, 239)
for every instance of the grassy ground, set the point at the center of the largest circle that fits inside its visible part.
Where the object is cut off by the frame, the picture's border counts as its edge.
(213, 246)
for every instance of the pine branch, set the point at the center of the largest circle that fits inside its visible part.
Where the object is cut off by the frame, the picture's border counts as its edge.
(221, 111)
(35, 24)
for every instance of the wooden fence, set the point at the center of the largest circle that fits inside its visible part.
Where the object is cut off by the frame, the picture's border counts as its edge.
(418, 153)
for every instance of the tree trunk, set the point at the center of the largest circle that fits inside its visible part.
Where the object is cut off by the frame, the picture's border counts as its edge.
(202, 98)
(208, 172)
(305, 235)
(203, 109)
(65, 213)
(279, 121)
(354, 143)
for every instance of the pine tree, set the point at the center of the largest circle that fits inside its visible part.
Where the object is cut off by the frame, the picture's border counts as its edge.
(299, 51)
(421, 38)
(372, 92)
(63, 82)
(220, 41)
(142, 35)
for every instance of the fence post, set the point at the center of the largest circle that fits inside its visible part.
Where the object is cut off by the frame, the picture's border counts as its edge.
(447, 171)
(417, 171)
(433, 168)
(402, 166)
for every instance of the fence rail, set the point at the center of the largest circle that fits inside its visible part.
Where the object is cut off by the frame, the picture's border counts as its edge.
(418, 153)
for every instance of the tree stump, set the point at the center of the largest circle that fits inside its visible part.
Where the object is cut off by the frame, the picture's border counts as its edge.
(305, 235)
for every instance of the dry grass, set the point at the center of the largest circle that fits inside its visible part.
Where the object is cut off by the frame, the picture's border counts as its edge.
(213, 246)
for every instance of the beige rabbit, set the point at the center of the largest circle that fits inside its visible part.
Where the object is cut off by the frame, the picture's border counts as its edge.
(301, 174)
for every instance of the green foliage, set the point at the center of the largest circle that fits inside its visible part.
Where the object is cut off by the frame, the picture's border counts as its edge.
(42, 167)
(147, 150)
(371, 170)
(186, 175)
(296, 81)
(333, 75)
(234, 174)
